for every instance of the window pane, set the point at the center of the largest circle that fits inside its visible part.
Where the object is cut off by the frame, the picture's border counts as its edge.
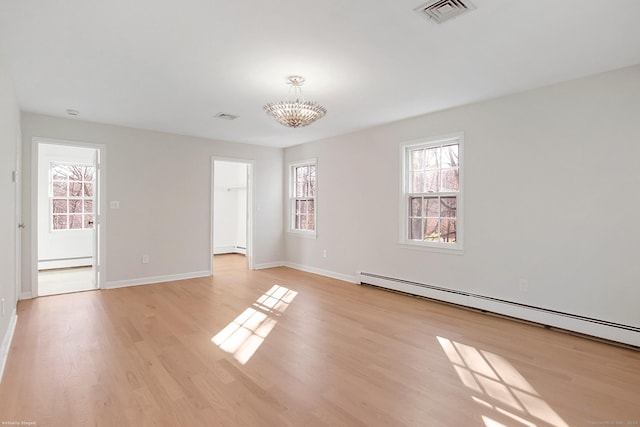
(59, 188)
(75, 189)
(415, 207)
(88, 221)
(59, 172)
(417, 159)
(59, 222)
(431, 231)
(88, 173)
(415, 229)
(448, 230)
(88, 189)
(311, 206)
(301, 173)
(75, 222)
(417, 182)
(88, 206)
(432, 182)
(450, 179)
(301, 207)
(75, 206)
(432, 209)
(448, 207)
(432, 158)
(59, 205)
(303, 221)
(311, 192)
(449, 156)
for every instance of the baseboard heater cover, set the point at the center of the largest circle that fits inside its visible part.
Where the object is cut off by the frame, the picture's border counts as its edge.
(613, 331)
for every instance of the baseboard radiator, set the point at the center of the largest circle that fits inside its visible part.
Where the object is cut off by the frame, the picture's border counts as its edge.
(599, 328)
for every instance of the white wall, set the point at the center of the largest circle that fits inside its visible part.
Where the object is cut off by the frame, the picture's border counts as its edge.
(60, 248)
(551, 184)
(9, 152)
(163, 184)
(230, 207)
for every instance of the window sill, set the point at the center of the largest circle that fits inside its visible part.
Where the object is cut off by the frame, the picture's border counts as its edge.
(303, 234)
(435, 249)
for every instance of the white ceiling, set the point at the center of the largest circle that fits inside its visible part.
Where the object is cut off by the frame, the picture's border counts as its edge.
(171, 65)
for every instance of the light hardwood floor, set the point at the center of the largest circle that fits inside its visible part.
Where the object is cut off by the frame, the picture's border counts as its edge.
(279, 347)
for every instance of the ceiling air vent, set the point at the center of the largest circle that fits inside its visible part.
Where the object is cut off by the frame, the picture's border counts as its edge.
(440, 11)
(225, 116)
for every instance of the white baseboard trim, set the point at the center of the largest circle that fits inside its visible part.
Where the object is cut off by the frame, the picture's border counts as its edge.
(6, 342)
(155, 279)
(268, 265)
(221, 250)
(26, 295)
(628, 334)
(321, 272)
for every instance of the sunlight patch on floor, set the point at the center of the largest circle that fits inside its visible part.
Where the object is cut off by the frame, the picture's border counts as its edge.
(499, 383)
(246, 333)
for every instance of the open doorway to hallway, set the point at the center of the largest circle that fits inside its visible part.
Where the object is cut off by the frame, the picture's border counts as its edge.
(232, 212)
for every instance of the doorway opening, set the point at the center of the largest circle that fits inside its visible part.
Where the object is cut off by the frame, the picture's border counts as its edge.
(232, 218)
(67, 201)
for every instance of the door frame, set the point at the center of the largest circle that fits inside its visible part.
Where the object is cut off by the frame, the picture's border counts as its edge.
(19, 222)
(250, 208)
(99, 258)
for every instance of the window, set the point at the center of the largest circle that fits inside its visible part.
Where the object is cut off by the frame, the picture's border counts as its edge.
(302, 199)
(71, 195)
(432, 193)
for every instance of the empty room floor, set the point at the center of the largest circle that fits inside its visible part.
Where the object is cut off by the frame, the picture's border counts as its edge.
(280, 347)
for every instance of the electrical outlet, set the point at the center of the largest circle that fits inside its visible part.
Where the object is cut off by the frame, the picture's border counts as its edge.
(145, 259)
(324, 253)
(523, 284)
(114, 204)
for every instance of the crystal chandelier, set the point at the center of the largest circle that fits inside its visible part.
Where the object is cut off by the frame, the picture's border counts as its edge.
(298, 113)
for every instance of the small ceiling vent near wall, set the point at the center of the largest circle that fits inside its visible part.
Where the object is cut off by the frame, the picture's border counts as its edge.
(439, 11)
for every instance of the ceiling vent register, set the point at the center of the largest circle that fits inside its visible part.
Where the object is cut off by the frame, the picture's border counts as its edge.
(439, 11)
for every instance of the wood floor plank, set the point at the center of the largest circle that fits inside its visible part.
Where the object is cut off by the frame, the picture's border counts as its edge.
(279, 347)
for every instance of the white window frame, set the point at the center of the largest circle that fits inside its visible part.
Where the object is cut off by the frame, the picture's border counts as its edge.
(67, 197)
(405, 194)
(292, 200)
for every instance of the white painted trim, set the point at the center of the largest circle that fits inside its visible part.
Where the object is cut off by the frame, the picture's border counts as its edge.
(405, 243)
(6, 342)
(533, 314)
(155, 279)
(224, 250)
(307, 234)
(25, 295)
(269, 265)
(102, 218)
(322, 272)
